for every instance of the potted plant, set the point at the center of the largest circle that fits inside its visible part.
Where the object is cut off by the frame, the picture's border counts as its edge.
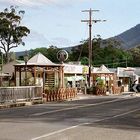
(91, 90)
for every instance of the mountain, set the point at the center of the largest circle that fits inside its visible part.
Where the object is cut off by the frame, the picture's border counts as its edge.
(130, 38)
(18, 54)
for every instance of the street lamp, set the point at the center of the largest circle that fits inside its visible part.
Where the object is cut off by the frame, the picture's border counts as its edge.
(26, 60)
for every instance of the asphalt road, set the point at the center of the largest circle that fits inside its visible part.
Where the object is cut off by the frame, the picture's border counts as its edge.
(98, 118)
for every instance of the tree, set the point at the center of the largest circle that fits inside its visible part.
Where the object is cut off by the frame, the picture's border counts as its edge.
(79, 52)
(135, 52)
(42, 50)
(11, 32)
(84, 61)
(50, 53)
(106, 52)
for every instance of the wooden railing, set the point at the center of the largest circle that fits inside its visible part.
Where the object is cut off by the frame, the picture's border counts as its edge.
(22, 93)
(59, 94)
(100, 91)
(103, 91)
(31, 93)
(117, 90)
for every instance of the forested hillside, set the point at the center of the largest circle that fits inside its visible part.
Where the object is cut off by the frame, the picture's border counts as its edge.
(121, 50)
(111, 54)
(130, 38)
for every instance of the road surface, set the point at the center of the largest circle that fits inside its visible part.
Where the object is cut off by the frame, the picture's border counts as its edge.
(98, 118)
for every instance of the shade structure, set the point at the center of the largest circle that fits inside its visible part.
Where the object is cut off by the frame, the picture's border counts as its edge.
(75, 78)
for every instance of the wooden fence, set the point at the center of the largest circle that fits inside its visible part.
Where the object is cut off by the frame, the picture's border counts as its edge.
(22, 93)
(59, 94)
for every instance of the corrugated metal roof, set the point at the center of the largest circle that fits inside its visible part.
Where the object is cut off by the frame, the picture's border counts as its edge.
(40, 59)
(137, 71)
(125, 72)
(103, 69)
(9, 67)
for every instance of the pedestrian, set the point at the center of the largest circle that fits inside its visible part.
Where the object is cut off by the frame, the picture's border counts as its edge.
(134, 86)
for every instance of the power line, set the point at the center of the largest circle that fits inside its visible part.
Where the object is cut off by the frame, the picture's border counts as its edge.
(90, 21)
(113, 63)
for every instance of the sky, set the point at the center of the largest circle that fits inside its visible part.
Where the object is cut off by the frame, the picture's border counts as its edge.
(58, 22)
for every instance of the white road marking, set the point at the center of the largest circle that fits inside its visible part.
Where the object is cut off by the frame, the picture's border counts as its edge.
(82, 124)
(119, 115)
(71, 108)
(56, 132)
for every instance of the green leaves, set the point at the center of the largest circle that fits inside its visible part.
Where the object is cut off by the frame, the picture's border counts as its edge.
(109, 54)
(11, 32)
(50, 53)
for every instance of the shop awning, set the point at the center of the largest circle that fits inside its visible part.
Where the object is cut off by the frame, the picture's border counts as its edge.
(75, 78)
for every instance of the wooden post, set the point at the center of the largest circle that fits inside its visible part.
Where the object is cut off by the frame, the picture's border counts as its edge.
(59, 77)
(62, 76)
(19, 76)
(15, 76)
(34, 75)
(43, 80)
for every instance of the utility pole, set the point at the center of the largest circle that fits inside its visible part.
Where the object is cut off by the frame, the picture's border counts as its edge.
(1, 68)
(26, 60)
(126, 62)
(90, 21)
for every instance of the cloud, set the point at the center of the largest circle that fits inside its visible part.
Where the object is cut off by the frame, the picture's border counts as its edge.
(39, 2)
(39, 38)
(21, 2)
(34, 36)
(60, 41)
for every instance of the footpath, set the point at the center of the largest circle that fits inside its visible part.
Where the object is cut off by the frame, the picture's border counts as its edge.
(80, 96)
(10, 105)
(20, 104)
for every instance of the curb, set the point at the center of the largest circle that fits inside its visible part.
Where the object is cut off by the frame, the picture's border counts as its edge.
(19, 104)
(12, 105)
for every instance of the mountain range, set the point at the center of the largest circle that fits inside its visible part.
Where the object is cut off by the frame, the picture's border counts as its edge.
(130, 38)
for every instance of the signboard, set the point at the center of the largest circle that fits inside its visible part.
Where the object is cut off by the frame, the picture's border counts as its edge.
(85, 70)
(62, 55)
(75, 69)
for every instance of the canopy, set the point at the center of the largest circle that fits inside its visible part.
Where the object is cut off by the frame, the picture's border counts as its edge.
(103, 69)
(74, 78)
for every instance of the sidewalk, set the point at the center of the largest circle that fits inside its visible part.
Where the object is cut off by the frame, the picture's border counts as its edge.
(10, 105)
(81, 96)
(131, 94)
(20, 104)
